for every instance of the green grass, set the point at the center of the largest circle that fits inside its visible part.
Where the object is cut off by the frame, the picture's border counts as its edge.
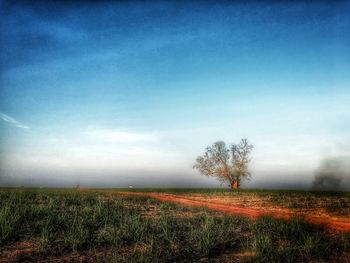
(229, 191)
(331, 201)
(105, 227)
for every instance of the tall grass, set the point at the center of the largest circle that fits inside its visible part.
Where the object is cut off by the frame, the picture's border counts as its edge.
(122, 228)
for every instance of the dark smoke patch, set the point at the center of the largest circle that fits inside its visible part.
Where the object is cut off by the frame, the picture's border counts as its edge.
(331, 174)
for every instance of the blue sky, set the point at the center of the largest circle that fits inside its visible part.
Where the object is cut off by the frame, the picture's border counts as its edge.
(130, 93)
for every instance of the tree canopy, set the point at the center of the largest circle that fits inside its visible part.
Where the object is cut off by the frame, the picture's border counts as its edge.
(229, 165)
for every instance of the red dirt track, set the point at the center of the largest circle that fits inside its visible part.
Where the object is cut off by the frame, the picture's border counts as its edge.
(327, 221)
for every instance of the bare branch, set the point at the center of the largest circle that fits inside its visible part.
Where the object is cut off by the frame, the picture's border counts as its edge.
(225, 164)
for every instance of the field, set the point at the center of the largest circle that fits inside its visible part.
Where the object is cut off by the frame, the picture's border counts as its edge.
(167, 225)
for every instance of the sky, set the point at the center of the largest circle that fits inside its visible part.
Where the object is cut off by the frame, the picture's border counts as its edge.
(129, 93)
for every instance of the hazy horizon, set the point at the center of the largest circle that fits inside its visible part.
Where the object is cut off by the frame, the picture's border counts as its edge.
(117, 94)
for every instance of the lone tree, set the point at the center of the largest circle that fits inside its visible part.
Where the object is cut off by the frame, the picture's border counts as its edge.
(229, 165)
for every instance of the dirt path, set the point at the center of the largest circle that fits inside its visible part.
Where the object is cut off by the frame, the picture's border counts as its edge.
(329, 222)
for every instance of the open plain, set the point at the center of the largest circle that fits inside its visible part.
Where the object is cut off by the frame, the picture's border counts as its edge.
(167, 225)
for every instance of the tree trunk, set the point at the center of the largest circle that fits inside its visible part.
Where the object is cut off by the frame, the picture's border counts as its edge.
(234, 184)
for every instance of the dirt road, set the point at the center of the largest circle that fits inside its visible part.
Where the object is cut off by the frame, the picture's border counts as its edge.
(329, 222)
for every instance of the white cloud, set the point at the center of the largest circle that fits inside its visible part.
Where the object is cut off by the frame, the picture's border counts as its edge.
(120, 136)
(12, 121)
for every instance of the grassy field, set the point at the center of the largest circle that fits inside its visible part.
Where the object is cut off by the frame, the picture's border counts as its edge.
(336, 202)
(101, 226)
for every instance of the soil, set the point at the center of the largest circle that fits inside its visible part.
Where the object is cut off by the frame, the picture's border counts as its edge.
(332, 223)
(15, 252)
